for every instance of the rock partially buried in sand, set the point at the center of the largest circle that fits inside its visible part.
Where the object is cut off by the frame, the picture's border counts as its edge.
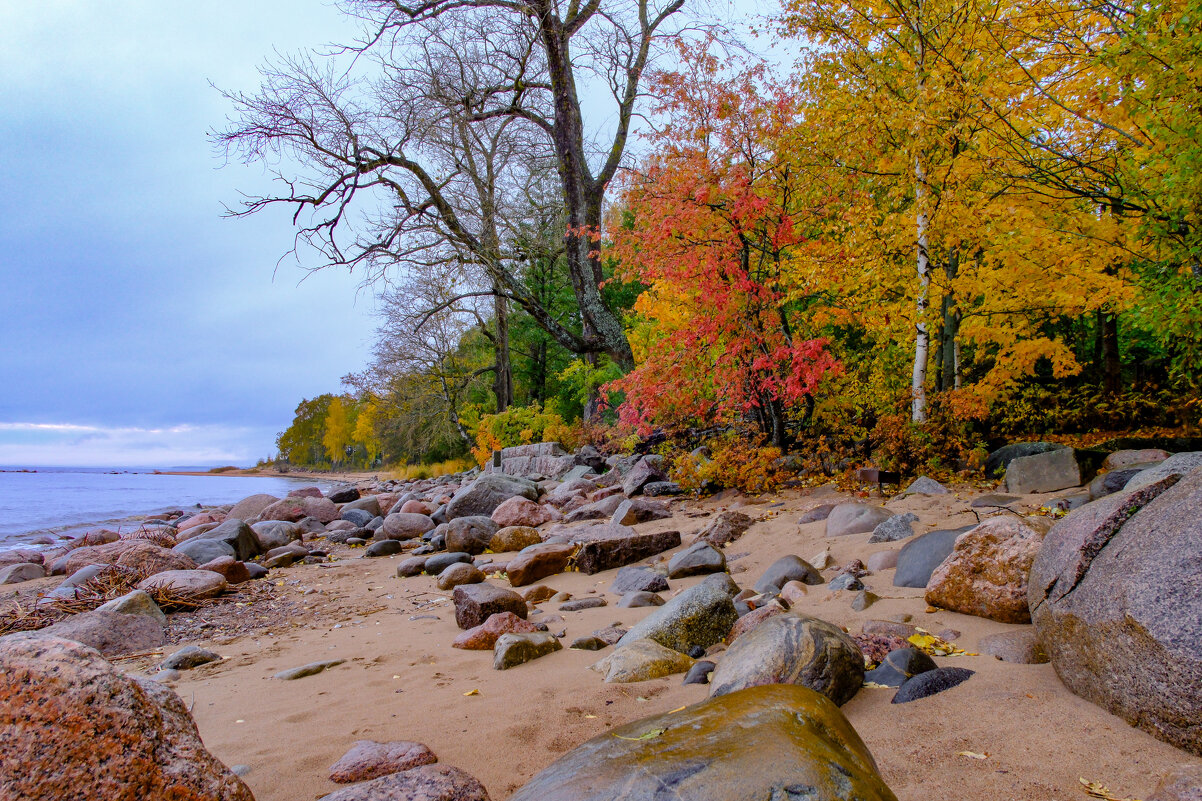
(427, 783)
(187, 584)
(640, 598)
(641, 660)
(638, 579)
(897, 527)
(855, 518)
(512, 650)
(140, 742)
(110, 633)
(919, 557)
(930, 682)
(368, 760)
(701, 615)
(698, 559)
(135, 602)
(188, 657)
(792, 649)
(1019, 647)
(538, 562)
(786, 569)
(900, 666)
(771, 743)
(311, 669)
(485, 636)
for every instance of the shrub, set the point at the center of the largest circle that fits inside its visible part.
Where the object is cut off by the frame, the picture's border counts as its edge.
(736, 460)
(522, 425)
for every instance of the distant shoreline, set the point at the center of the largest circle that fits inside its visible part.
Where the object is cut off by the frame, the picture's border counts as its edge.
(271, 472)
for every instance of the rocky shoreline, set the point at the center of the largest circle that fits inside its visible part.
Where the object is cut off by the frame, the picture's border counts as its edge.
(539, 637)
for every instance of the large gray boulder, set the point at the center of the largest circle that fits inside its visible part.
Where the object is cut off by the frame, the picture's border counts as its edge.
(645, 471)
(236, 534)
(1176, 465)
(487, 492)
(774, 743)
(251, 507)
(700, 616)
(110, 633)
(855, 518)
(997, 462)
(276, 533)
(1116, 599)
(1052, 470)
(204, 551)
(919, 557)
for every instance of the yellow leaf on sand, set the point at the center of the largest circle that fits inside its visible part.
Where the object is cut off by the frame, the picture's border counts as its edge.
(872, 685)
(972, 755)
(1099, 790)
(472, 692)
(645, 736)
(924, 641)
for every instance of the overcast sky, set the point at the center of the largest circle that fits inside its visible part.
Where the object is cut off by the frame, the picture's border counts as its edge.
(138, 327)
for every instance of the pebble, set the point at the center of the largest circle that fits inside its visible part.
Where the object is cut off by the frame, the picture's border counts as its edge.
(581, 604)
(311, 669)
(188, 657)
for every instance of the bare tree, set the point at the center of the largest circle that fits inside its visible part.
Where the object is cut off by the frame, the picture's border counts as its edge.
(420, 136)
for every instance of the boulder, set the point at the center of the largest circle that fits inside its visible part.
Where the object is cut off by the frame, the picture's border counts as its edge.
(135, 602)
(1116, 598)
(110, 633)
(640, 510)
(368, 760)
(698, 559)
(771, 743)
(20, 572)
(997, 462)
(404, 526)
(605, 545)
(855, 518)
(924, 485)
(700, 616)
(437, 563)
(368, 503)
(189, 584)
(1176, 465)
(603, 509)
(725, 528)
(484, 636)
(897, 527)
(79, 728)
(475, 603)
(231, 569)
(204, 551)
(786, 569)
(295, 508)
(817, 514)
(512, 650)
(929, 682)
(413, 566)
(426, 783)
(638, 579)
(641, 660)
(381, 548)
(986, 572)
(792, 649)
(639, 599)
(1140, 456)
(752, 619)
(357, 518)
(1050, 471)
(514, 538)
(487, 492)
(188, 657)
(285, 555)
(275, 533)
(457, 574)
(645, 470)
(251, 507)
(306, 492)
(1019, 647)
(470, 534)
(919, 557)
(237, 535)
(899, 666)
(539, 561)
(519, 511)
(882, 560)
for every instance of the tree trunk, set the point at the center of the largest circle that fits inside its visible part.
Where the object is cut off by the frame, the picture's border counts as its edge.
(1112, 367)
(503, 376)
(951, 327)
(922, 337)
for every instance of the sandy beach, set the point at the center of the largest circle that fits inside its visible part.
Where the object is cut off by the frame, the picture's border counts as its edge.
(402, 680)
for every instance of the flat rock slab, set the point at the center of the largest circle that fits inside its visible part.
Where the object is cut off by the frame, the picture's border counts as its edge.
(110, 633)
(369, 759)
(855, 518)
(426, 783)
(772, 743)
(641, 660)
(311, 669)
(606, 546)
(538, 562)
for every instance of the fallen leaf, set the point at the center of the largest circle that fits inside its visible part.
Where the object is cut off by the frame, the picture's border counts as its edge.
(872, 685)
(590, 716)
(972, 755)
(679, 708)
(1099, 790)
(645, 736)
(472, 692)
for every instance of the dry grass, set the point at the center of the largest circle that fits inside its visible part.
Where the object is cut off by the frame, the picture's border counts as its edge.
(416, 472)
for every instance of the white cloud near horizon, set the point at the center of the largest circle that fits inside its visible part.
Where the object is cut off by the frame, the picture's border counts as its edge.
(79, 445)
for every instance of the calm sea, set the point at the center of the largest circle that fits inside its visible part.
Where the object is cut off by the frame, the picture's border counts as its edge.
(59, 500)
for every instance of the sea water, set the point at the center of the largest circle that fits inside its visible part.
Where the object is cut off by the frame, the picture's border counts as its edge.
(61, 501)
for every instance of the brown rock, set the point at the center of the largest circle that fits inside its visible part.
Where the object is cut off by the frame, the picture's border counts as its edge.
(725, 528)
(297, 507)
(368, 759)
(986, 572)
(415, 507)
(607, 545)
(110, 633)
(193, 584)
(106, 554)
(146, 559)
(519, 511)
(752, 619)
(514, 538)
(231, 569)
(475, 603)
(793, 592)
(427, 783)
(1019, 647)
(404, 526)
(538, 593)
(250, 508)
(457, 574)
(538, 562)
(484, 636)
(199, 520)
(74, 727)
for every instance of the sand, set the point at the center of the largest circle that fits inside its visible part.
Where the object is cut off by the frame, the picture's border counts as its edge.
(403, 681)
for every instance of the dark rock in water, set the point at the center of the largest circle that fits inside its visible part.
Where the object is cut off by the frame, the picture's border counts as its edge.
(439, 562)
(772, 743)
(368, 760)
(188, 657)
(699, 673)
(919, 557)
(725, 528)
(931, 682)
(699, 559)
(786, 569)
(899, 666)
(898, 527)
(997, 462)
(817, 514)
(1116, 599)
(635, 600)
(474, 603)
(78, 727)
(384, 548)
(701, 615)
(638, 579)
(486, 493)
(426, 783)
(792, 649)
(110, 633)
(845, 581)
(606, 545)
